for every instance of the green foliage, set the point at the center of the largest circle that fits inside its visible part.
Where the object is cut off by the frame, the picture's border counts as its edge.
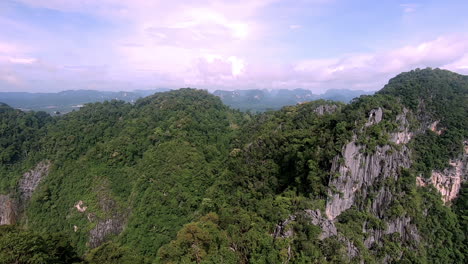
(111, 253)
(434, 95)
(27, 247)
(193, 181)
(460, 207)
(20, 135)
(446, 242)
(199, 242)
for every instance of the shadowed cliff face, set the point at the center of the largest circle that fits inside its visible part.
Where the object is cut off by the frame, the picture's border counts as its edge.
(11, 208)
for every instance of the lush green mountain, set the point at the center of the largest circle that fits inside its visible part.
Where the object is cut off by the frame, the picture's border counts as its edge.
(178, 177)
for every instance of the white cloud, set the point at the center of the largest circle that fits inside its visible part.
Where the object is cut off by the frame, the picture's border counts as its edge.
(237, 66)
(409, 7)
(210, 44)
(17, 60)
(460, 65)
(365, 70)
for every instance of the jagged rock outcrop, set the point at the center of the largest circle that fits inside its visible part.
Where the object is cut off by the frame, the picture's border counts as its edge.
(104, 228)
(315, 217)
(283, 230)
(359, 176)
(8, 210)
(351, 250)
(325, 109)
(328, 227)
(448, 182)
(403, 135)
(375, 116)
(358, 171)
(32, 178)
(401, 225)
(113, 224)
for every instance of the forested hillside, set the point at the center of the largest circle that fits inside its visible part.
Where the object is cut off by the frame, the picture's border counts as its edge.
(178, 177)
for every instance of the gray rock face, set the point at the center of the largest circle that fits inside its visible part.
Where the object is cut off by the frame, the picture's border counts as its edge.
(315, 216)
(351, 250)
(360, 176)
(104, 228)
(328, 230)
(361, 171)
(325, 109)
(402, 225)
(283, 230)
(32, 178)
(112, 225)
(403, 135)
(8, 210)
(375, 116)
(11, 208)
(328, 227)
(381, 202)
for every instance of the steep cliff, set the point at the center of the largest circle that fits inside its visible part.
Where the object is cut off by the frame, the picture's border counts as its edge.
(358, 172)
(448, 182)
(31, 179)
(12, 205)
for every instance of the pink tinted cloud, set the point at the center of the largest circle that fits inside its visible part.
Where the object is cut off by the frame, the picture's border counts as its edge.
(365, 70)
(202, 43)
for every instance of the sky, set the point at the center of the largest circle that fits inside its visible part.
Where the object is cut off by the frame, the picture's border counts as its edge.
(56, 45)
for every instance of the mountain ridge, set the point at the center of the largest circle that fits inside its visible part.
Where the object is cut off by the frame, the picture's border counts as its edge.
(255, 100)
(181, 177)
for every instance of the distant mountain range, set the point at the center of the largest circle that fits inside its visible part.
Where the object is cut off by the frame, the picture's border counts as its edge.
(255, 100)
(68, 101)
(263, 100)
